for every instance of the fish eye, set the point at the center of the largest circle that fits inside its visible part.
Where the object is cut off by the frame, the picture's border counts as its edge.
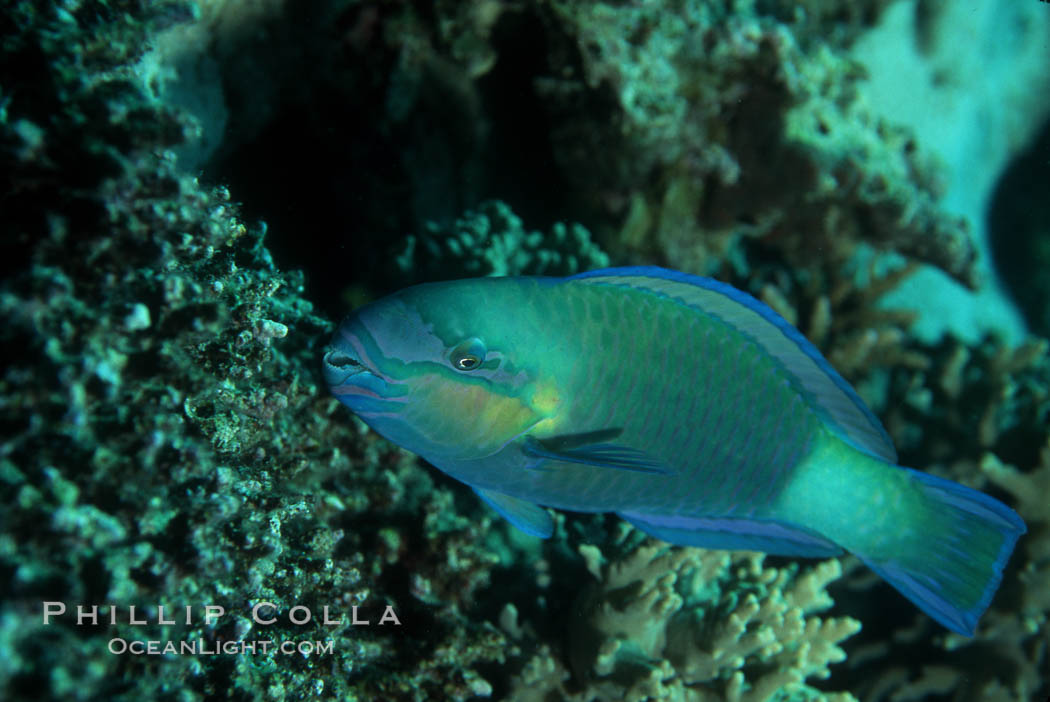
(467, 355)
(468, 362)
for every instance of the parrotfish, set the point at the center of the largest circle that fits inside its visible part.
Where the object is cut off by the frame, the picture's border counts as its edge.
(682, 404)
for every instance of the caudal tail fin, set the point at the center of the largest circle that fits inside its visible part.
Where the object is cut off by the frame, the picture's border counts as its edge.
(952, 563)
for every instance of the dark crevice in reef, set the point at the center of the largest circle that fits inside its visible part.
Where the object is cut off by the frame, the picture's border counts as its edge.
(1019, 231)
(368, 151)
(519, 161)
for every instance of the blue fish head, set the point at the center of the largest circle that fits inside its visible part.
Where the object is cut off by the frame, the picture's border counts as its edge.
(427, 372)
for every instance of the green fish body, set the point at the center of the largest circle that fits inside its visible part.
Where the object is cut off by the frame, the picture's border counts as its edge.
(684, 405)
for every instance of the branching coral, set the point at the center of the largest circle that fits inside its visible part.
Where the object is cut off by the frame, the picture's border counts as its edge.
(666, 623)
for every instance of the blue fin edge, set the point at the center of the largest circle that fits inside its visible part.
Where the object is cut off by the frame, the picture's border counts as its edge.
(983, 507)
(923, 588)
(735, 534)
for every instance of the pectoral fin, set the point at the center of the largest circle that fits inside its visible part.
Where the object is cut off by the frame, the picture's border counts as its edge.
(593, 448)
(530, 518)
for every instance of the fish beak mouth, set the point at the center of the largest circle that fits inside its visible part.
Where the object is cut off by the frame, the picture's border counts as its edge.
(339, 366)
(357, 385)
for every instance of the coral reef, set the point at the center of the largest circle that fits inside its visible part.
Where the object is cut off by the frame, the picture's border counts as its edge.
(169, 445)
(667, 127)
(165, 440)
(714, 102)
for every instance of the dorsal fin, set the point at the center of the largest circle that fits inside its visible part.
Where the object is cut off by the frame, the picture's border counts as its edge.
(825, 390)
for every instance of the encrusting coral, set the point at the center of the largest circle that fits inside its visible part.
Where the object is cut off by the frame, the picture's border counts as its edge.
(165, 442)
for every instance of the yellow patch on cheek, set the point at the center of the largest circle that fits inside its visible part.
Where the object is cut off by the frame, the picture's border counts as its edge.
(506, 413)
(487, 420)
(546, 402)
(498, 420)
(476, 406)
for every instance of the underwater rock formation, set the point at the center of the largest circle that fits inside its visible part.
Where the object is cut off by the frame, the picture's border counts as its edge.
(962, 80)
(712, 103)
